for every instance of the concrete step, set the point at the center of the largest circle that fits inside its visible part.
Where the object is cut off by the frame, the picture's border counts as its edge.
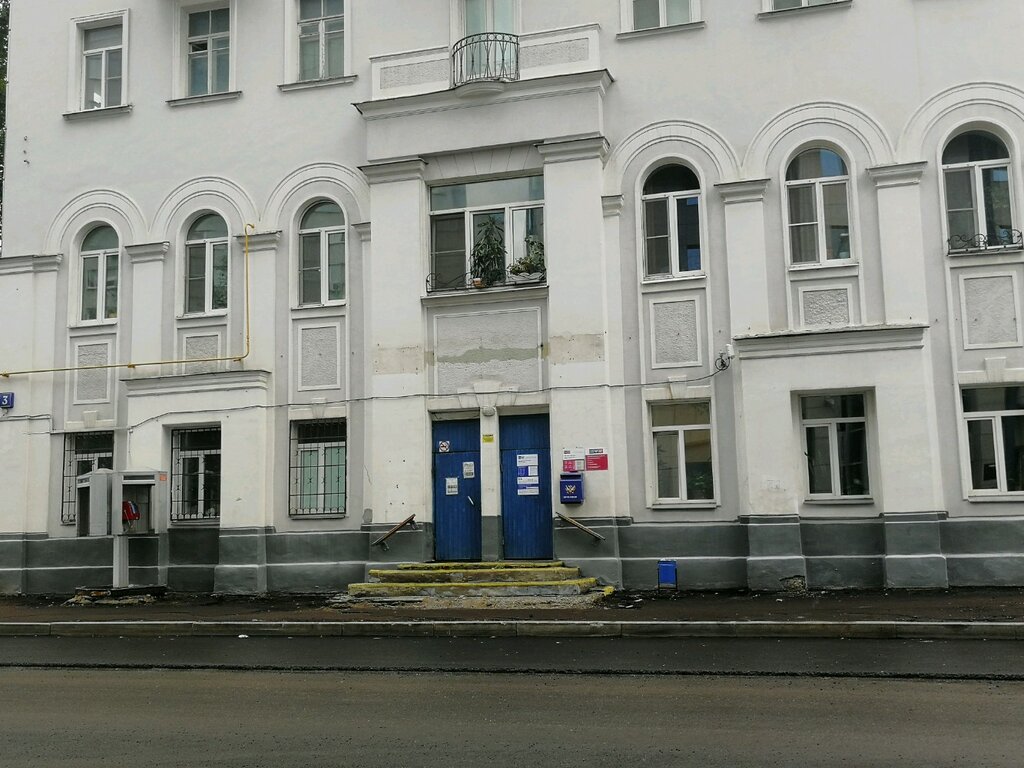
(485, 565)
(474, 589)
(456, 575)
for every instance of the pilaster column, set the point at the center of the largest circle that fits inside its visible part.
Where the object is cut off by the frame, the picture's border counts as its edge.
(265, 296)
(394, 275)
(145, 322)
(580, 331)
(746, 255)
(900, 229)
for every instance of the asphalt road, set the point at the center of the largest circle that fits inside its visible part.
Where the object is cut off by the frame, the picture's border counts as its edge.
(955, 659)
(87, 718)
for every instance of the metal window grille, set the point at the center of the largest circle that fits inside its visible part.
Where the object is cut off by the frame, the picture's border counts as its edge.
(195, 474)
(83, 453)
(317, 482)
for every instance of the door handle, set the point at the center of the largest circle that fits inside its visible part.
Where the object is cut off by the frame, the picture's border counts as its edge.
(471, 500)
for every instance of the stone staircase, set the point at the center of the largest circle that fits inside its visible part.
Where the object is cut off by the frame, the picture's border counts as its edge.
(499, 579)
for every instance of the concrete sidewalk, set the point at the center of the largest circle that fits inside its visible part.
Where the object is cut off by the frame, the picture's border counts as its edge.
(962, 613)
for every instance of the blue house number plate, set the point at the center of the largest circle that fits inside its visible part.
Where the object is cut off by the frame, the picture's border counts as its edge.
(6, 400)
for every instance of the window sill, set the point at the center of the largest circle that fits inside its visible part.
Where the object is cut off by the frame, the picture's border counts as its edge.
(89, 114)
(999, 498)
(312, 308)
(499, 293)
(88, 325)
(317, 516)
(217, 315)
(684, 506)
(187, 100)
(845, 501)
(991, 251)
(208, 523)
(303, 85)
(765, 15)
(654, 282)
(830, 264)
(666, 30)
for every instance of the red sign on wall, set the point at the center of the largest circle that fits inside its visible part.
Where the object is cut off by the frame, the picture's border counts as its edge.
(596, 460)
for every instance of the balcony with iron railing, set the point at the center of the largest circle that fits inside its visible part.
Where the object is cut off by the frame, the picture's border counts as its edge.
(1001, 239)
(491, 57)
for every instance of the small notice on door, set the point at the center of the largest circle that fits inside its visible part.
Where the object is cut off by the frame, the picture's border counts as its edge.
(527, 459)
(451, 486)
(468, 470)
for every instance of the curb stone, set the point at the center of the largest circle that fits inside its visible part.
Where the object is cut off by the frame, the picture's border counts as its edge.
(909, 630)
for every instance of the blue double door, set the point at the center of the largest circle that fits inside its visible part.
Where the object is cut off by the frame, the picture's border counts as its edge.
(525, 489)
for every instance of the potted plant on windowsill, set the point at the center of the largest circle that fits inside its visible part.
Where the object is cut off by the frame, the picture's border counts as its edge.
(488, 263)
(530, 267)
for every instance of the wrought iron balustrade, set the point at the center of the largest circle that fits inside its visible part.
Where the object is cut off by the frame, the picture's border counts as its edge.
(1009, 239)
(488, 57)
(467, 282)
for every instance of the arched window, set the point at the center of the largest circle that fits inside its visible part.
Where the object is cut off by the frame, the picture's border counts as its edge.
(979, 212)
(817, 187)
(206, 265)
(100, 251)
(322, 254)
(671, 201)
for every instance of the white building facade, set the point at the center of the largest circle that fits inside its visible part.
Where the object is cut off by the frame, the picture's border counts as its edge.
(752, 269)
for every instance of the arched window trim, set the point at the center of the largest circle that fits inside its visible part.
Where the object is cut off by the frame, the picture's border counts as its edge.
(99, 304)
(207, 270)
(667, 206)
(841, 249)
(973, 230)
(315, 267)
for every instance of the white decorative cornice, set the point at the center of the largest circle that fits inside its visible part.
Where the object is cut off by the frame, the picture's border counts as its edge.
(612, 205)
(408, 169)
(520, 90)
(897, 174)
(832, 341)
(574, 148)
(190, 383)
(146, 252)
(17, 265)
(746, 191)
(260, 241)
(362, 231)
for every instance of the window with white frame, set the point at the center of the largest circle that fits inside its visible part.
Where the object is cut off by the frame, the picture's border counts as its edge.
(209, 52)
(195, 474)
(671, 222)
(785, 5)
(995, 438)
(318, 463)
(682, 451)
(817, 189)
(84, 452)
(503, 217)
(321, 39)
(322, 254)
(651, 14)
(99, 271)
(836, 445)
(206, 265)
(482, 16)
(979, 207)
(103, 66)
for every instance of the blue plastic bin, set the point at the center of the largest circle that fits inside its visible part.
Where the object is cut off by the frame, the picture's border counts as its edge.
(667, 574)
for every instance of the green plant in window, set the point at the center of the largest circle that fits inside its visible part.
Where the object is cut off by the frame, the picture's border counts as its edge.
(488, 263)
(532, 262)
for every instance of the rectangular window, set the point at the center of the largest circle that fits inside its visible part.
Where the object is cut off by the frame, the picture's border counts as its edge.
(487, 233)
(209, 52)
(835, 445)
(195, 474)
(102, 66)
(683, 451)
(995, 438)
(321, 39)
(318, 465)
(785, 5)
(206, 277)
(650, 14)
(84, 452)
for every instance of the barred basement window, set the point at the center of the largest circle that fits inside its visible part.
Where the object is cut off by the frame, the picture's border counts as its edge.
(195, 474)
(84, 452)
(317, 469)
